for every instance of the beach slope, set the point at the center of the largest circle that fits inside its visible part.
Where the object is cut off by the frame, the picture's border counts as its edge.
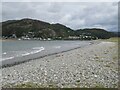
(95, 65)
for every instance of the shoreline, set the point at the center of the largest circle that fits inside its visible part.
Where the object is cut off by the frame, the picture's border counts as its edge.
(88, 66)
(17, 63)
(10, 64)
(1, 39)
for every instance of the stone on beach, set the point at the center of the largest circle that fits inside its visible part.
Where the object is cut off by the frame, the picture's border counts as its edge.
(82, 67)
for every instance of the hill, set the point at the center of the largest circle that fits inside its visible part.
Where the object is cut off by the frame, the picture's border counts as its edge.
(96, 32)
(30, 28)
(34, 28)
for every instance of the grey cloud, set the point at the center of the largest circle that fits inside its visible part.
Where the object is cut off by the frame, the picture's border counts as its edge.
(73, 15)
(54, 7)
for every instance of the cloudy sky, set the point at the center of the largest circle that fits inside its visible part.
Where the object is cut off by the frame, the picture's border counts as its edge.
(72, 14)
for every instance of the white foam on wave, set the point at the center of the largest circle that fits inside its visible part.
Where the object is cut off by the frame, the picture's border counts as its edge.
(40, 48)
(4, 53)
(25, 53)
(7, 58)
(58, 47)
(36, 50)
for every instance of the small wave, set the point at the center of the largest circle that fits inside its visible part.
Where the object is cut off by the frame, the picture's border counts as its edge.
(7, 58)
(36, 50)
(41, 48)
(58, 47)
(4, 53)
(25, 54)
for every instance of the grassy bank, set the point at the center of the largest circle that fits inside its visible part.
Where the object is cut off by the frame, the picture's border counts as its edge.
(114, 39)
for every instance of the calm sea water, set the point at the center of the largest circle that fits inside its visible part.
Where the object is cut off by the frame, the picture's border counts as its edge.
(15, 51)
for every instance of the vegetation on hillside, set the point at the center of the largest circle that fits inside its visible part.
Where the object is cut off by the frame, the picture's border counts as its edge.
(29, 28)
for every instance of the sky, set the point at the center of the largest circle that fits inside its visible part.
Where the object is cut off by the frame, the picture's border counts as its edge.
(76, 15)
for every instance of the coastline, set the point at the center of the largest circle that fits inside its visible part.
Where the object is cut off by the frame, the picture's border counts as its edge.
(7, 39)
(17, 60)
(88, 66)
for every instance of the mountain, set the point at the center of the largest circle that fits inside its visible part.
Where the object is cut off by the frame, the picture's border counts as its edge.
(117, 34)
(22, 27)
(38, 29)
(96, 32)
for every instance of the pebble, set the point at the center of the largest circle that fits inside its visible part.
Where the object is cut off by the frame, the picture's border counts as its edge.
(95, 76)
(64, 71)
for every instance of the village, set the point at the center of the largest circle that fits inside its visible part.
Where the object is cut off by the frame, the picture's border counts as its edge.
(31, 36)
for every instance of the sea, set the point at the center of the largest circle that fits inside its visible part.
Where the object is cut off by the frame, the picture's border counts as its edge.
(14, 51)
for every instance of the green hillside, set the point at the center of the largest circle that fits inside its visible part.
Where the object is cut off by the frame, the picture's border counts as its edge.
(38, 29)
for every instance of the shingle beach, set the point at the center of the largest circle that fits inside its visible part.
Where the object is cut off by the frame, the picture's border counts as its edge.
(95, 65)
